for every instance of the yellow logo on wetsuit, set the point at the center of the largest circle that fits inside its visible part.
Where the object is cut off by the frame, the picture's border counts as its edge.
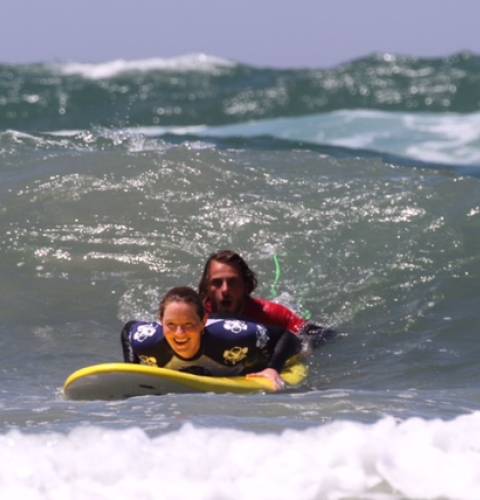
(234, 355)
(148, 360)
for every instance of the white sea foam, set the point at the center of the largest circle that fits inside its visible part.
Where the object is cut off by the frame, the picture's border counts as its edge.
(433, 137)
(388, 460)
(189, 62)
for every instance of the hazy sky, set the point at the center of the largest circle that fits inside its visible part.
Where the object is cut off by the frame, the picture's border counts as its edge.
(281, 33)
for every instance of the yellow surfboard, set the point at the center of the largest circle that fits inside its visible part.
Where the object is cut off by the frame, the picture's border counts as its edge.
(109, 381)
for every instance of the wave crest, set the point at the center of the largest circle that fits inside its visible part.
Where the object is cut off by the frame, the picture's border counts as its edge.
(111, 69)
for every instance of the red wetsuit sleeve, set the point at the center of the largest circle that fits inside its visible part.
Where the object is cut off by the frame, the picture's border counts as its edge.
(270, 313)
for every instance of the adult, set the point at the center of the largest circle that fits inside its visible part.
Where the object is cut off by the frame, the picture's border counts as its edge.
(185, 340)
(226, 286)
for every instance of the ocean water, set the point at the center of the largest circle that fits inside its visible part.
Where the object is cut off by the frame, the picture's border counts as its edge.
(361, 181)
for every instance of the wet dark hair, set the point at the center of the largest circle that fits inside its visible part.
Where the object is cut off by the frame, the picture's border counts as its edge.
(232, 258)
(182, 294)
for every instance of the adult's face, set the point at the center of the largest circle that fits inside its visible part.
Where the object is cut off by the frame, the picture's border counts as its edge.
(183, 328)
(226, 288)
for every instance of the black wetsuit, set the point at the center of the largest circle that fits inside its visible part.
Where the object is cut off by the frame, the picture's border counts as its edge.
(228, 347)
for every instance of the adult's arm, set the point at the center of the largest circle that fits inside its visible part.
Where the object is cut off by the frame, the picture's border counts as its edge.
(286, 346)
